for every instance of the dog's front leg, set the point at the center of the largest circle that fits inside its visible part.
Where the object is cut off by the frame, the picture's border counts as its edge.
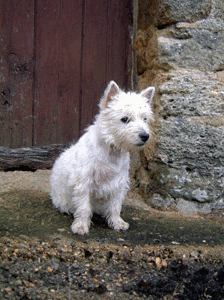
(113, 213)
(82, 214)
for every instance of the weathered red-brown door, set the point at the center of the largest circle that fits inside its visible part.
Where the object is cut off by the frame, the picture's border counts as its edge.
(56, 57)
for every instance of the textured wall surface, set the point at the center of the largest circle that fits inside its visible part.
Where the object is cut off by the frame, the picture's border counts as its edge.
(180, 48)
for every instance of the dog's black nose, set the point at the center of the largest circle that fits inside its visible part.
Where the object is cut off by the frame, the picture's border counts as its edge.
(144, 136)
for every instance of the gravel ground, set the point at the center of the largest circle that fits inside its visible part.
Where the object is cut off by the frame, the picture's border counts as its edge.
(162, 256)
(76, 270)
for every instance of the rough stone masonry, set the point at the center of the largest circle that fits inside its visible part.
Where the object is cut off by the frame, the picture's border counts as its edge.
(180, 48)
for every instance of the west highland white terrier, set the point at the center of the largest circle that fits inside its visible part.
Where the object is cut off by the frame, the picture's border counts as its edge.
(92, 176)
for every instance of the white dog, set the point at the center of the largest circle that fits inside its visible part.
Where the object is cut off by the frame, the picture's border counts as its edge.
(92, 176)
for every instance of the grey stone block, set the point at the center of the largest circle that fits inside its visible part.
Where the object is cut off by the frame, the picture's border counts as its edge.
(199, 45)
(172, 11)
(192, 93)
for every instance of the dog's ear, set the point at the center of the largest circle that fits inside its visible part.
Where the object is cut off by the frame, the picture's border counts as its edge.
(110, 92)
(148, 93)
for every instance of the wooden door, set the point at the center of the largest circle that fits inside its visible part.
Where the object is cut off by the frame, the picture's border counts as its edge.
(56, 57)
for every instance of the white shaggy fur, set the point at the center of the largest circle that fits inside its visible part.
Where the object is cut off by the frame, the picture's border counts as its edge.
(93, 174)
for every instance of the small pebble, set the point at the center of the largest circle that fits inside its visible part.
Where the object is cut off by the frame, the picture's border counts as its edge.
(120, 240)
(175, 243)
(164, 263)
(158, 262)
(8, 290)
(49, 269)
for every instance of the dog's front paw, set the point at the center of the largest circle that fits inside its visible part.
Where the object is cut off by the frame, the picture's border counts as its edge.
(80, 228)
(119, 225)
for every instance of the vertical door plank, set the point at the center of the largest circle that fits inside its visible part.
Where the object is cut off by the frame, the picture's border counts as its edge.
(16, 72)
(119, 42)
(57, 82)
(94, 60)
(106, 51)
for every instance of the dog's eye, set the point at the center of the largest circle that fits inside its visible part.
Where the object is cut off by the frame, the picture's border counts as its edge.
(145, 119)
(125, 120)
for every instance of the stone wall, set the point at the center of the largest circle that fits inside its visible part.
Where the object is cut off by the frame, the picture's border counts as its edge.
(180, 48)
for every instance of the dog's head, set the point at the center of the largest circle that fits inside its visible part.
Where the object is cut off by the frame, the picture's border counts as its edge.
(125, 118)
